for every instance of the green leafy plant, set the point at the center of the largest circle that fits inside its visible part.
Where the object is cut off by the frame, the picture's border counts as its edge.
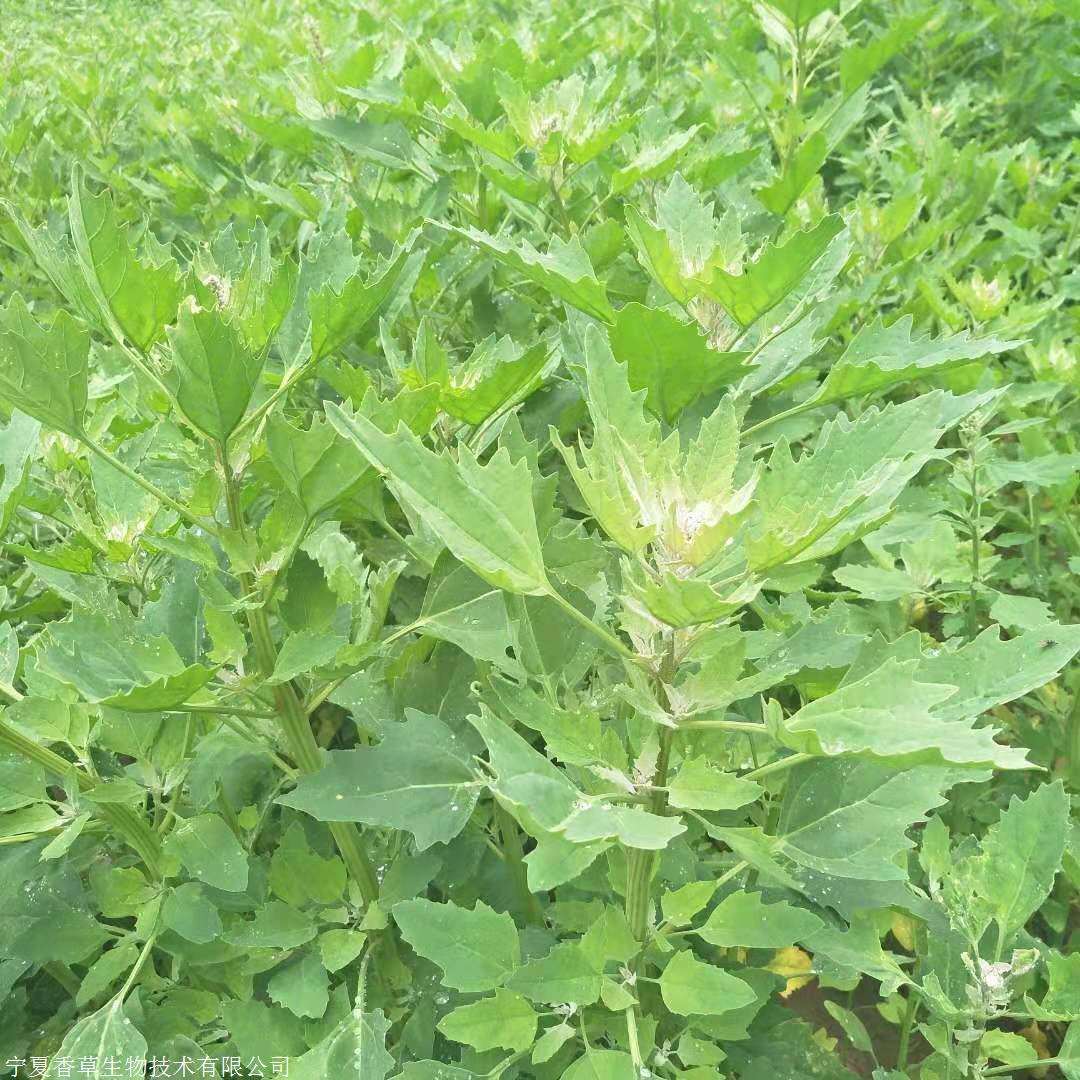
(539, 546)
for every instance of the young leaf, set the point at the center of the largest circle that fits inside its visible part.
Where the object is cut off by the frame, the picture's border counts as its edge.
(209, 851)
(670, 359)
(483, 513)
(564, 271)
(43, 370)
(214, 372)
(1020, 857)
(769, 278)
(138, 295)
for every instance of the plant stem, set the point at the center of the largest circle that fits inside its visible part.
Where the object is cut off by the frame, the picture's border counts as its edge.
(290, 710)
(788, 762)
(1073, 751)
(658, 42)
(907, 1023)
(724, 725)
(640, 864)
(125, 822)
(608, 638)
(62, 974)
(510, 841)
(140, 963)
(1004, 1070)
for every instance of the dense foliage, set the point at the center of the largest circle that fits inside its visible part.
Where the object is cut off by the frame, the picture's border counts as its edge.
(539, 540)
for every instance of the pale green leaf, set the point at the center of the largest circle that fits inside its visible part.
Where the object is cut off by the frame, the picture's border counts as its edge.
(506, 1020)
(742, 919)
(477, 949)
(209, 851)
(418, 778)
(689, 986)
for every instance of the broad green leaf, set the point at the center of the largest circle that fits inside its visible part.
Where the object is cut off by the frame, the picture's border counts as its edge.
(214, 372)
(689, 986)
(338, 948)
(1069, 1053)
(209, 851)
(189, 912)
(66, 934)
(609, 939)
(1008, 1047)
(670, 359)
(317, 465)
(1019, 858)
(564, 270)
(1062, 998)
(299, 874)
(43, 370)
(275, 926)
(767, 279)
(850, 818)
(565, 974)
(301, 985)
(355, 1048)
(165, 692)
(418, 778)
(506, 1020)
(698, 785)
(483, 513)
(108, 1035)
(601, 1065)
(682, 904)
(881, 356)
(743, 919)
(140, 295)
(107, 969)
(305, 650)
(891, 717)
(477, 949)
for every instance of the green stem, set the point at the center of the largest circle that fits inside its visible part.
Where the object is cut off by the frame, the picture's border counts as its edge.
(641, 864)
(62, 974)
(608, 638)
(140, 963)
(224, 710)
(1004, 1070)
(780, 765)
(723, 725)
(907, 1023)
(1073, 759)
(510, 841)
(632, 1038)
(658, 42)
(146, 485)
(125, 822)
(290, 710)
